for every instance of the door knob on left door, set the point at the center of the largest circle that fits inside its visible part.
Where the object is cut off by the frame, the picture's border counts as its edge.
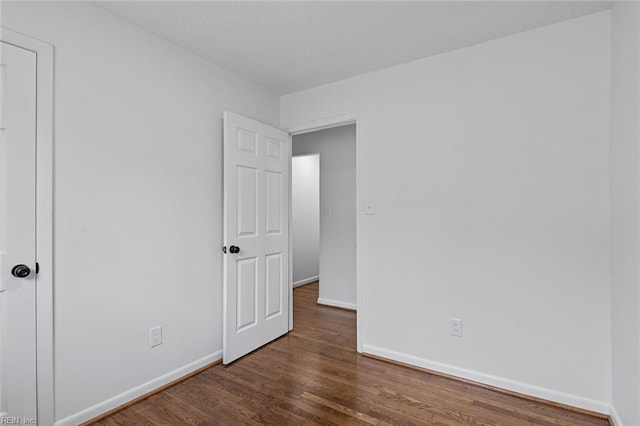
(20, 271)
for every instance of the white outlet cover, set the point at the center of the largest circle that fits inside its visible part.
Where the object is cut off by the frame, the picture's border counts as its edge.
(155, 336)
(455, 325)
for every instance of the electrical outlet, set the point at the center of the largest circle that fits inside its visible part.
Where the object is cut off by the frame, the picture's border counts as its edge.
(155, 336)
(455, 325)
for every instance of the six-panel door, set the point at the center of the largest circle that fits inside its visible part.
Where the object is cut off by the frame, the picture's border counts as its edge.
(256, 213)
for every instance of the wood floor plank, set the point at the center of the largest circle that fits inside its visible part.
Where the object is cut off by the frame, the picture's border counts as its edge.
(314, 376)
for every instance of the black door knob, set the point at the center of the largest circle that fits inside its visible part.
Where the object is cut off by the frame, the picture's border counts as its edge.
(234, 249)
(20, 271)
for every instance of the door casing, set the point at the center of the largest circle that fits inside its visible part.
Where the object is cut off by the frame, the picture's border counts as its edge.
(313, 126)
(44, 218)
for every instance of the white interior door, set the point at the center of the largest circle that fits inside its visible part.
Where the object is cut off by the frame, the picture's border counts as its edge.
(17, 235)
(256, 235)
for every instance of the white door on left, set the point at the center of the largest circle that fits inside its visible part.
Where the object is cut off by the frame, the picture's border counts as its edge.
(17, 235)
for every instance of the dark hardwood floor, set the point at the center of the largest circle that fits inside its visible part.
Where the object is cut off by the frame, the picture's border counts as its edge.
(314, 375)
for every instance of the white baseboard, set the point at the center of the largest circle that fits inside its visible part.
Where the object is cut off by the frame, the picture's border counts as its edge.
(500, 382)
(138, 391)
(337, 304)
(305, 281)
(615, 418)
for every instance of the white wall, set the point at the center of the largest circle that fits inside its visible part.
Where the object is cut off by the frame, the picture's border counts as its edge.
(337, 148)
(138, 188)
(488, 167)
(305, 217)
(625, 211)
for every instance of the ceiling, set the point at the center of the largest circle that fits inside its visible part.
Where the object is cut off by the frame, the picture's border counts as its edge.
(290, 46)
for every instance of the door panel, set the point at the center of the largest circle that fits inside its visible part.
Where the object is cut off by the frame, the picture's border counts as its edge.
(247, 201)
(256, 205)
(274, 148)
(274, 274)
(274, 202)
(247, 293)
(17, 233)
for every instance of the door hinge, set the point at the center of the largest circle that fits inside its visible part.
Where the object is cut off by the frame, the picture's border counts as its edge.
(37, 267)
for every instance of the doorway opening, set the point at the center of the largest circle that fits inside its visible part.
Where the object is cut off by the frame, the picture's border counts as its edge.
(324, 216)
(305, 218)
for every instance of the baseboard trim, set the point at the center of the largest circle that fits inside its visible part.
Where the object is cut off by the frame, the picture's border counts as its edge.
(337, 304)
(506, 386)
(614, 418)
(134, 395)
(305, 281)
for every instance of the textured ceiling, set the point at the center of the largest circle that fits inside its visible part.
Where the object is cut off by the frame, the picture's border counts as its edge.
(289, 46)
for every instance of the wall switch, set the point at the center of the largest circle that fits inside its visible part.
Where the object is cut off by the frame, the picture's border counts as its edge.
(155, 336)
(369, 208)
(326, 210)
(455, 325)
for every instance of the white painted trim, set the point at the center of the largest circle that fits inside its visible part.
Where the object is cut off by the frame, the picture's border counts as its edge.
(500, 382)
(327, 123)
(44, 219)
(305, 281)
(359, 246)
(337, 303)
(323, 124)
(138, 391)
(290, 280)
(615, 418)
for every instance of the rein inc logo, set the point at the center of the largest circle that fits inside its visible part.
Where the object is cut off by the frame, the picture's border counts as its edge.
(17, 421)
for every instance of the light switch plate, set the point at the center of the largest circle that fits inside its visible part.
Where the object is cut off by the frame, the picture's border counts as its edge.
(369, 208)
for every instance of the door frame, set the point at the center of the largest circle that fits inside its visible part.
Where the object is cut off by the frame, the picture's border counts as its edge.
(314, 126)
(44, 219)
